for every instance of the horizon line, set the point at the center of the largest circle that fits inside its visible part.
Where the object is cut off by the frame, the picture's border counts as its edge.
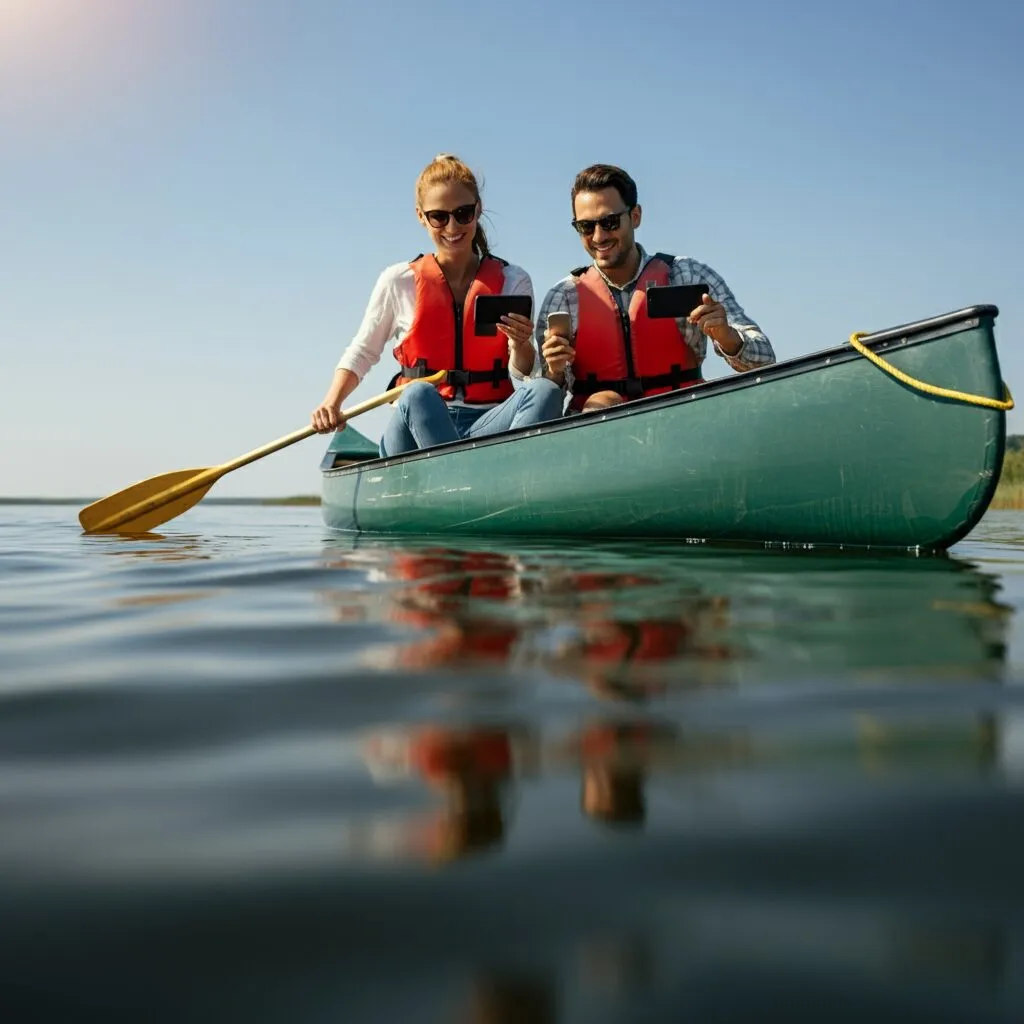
(33, 499)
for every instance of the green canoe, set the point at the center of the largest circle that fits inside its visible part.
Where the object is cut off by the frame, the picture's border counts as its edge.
(825, 449)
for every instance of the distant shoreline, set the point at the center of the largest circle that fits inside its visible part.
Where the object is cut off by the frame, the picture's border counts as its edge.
(298, 499)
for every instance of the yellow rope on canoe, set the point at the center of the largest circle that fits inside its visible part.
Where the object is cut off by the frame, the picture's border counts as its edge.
(930, 389)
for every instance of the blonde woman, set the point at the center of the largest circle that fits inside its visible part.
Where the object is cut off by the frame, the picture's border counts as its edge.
(426, 307)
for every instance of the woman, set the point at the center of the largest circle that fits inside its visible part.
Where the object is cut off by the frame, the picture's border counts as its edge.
(426, 307)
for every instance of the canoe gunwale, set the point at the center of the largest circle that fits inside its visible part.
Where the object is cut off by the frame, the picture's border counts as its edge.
(904, 335)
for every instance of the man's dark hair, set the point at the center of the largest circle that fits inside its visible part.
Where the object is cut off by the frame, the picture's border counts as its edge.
(600, 176)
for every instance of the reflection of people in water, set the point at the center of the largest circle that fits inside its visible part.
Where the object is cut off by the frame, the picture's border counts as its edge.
(614, 758)
(490, 609)
(619, 654)
(471, 768)
(613, 618)
(512, 999)
(446, 594)
(613, 795)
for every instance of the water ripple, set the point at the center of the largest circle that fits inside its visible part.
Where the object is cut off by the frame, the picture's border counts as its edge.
(337, 779)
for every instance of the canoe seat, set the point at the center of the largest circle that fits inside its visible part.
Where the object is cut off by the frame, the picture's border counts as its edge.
(347, 447)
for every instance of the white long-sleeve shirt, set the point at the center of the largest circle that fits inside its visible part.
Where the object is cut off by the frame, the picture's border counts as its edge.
(390, 312)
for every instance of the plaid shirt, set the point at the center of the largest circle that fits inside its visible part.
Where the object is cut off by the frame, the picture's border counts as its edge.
(756, 350)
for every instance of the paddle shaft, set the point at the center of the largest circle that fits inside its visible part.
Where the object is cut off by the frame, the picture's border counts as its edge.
(207, 477)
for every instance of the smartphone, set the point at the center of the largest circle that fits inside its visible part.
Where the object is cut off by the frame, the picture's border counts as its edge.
(489, 309)
(561, 323)
(674, 300)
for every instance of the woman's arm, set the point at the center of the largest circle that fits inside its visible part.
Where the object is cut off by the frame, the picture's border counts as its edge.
(363, 352)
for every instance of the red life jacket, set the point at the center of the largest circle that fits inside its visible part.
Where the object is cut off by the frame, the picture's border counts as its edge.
(485, 753)
(603, 741)
(443, 335)
(445, 572)
(637, 642)
(451, 584)
(634, 356)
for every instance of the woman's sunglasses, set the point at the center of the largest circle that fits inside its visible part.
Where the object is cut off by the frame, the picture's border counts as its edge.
(462, 214)
(609, 223)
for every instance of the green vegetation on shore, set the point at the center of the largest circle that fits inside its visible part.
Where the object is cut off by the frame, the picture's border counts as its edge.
(1010, 492)
(298, 499)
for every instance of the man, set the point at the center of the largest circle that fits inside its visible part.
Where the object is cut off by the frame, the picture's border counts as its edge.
(611, 351)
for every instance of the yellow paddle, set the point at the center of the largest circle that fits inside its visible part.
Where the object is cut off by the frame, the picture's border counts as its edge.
(147, 504)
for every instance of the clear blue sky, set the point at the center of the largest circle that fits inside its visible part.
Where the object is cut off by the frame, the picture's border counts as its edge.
(199, 194)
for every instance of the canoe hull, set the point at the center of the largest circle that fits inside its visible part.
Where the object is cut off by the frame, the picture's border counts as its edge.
(826, 449)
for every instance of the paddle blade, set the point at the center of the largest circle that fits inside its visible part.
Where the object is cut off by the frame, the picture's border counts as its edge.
(147, 504)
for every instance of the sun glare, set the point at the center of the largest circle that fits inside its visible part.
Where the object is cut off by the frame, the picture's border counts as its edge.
(63, 51)
(49, 33)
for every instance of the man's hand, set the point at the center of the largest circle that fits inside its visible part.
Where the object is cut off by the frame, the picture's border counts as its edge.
(558, 353)
(711, 318)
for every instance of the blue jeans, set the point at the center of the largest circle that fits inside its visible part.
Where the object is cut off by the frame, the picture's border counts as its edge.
(423, 418)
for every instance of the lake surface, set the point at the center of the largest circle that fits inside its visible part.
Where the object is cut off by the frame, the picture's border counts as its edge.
(249, 771)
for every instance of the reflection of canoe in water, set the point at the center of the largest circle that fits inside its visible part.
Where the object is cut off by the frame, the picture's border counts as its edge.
(737, 618)
(823, 449)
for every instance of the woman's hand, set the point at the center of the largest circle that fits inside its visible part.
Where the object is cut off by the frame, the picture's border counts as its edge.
(518, 329)
(325, 417)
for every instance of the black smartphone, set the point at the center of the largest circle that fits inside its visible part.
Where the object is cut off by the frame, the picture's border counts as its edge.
(674, 300)
(489, 310)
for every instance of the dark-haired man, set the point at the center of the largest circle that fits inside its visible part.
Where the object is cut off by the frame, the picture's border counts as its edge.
(613, 351)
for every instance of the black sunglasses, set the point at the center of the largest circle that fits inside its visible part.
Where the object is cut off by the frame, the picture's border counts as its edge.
(462, 214)
(609, 223)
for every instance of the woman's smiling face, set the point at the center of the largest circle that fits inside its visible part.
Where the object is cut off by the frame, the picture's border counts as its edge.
(453, 238)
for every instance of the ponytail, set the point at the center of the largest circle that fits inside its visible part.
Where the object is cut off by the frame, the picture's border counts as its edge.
(480, 246)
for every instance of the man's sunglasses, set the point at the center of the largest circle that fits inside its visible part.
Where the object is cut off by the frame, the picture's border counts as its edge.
(462, 214)
(609, 223)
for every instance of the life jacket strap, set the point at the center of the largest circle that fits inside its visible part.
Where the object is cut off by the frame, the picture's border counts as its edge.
(495, 376)
(635, 387)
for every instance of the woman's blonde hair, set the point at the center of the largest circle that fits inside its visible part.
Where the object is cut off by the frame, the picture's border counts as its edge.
(444, 169)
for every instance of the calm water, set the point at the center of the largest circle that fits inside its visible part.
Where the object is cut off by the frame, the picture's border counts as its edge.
(251, 772)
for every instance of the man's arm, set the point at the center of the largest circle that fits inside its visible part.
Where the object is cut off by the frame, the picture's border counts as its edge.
(737, 338)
